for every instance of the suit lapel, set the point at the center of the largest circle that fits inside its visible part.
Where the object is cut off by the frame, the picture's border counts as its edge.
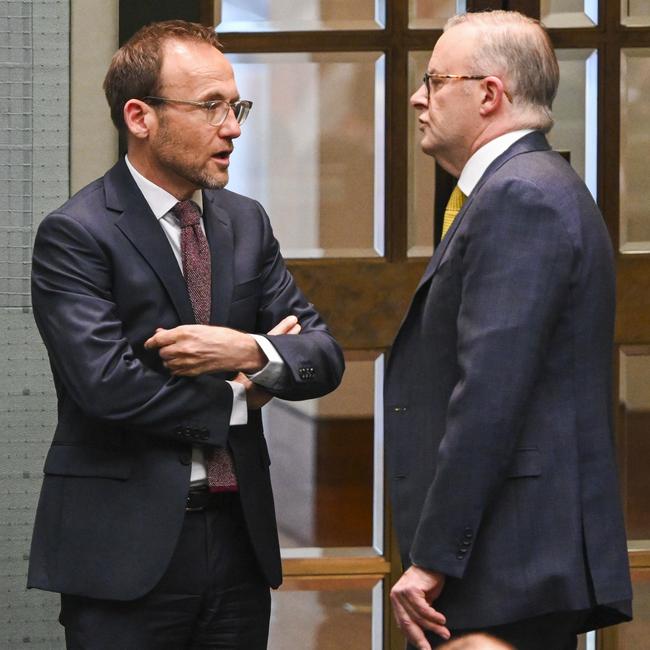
(141, 228)
(218, 230)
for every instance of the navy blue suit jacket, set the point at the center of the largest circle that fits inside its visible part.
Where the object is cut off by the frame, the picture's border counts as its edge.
(117, 474)
(498, 404)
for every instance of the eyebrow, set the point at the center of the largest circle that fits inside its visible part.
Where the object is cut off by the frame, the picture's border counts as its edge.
(215, 96)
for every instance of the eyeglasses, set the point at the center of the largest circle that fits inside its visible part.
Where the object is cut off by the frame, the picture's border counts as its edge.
(468, 77)
(216, 110)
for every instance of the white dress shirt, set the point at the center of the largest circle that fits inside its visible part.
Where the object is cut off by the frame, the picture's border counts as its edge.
(161, 202)
(482, 158)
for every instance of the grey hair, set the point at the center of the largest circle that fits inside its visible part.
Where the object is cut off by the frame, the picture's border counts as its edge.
(519, 48)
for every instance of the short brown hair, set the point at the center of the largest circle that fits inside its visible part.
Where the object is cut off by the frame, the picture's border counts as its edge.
(134, 72)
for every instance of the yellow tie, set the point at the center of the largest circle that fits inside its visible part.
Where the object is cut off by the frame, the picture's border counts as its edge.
(454, 205)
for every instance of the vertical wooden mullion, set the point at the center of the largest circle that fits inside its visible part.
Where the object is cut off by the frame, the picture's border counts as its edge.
(396, 168)
(609, 120)
(529, 7)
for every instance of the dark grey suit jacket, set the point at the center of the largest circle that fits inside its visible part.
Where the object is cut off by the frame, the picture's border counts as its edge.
(117, 474)
(498, 404)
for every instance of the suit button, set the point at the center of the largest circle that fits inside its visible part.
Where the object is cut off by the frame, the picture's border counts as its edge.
(460, 557)
(185, 457)
(465, 543)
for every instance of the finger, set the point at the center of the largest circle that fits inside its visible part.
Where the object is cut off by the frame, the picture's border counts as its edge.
(428, 619)
(284, 325)
(409, 628)
(295, 329)
(420, 612)
(160, 338)
(170, 352)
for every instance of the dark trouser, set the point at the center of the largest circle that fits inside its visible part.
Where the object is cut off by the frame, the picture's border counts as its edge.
(557, 631)
(212, 595)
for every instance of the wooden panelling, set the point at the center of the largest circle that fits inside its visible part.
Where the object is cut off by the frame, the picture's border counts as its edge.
(363, 301)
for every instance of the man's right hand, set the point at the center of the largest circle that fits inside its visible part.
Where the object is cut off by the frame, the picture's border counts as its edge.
(256, 396)
(411, 597)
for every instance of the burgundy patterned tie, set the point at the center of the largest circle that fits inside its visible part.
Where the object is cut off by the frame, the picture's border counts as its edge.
(195, 258)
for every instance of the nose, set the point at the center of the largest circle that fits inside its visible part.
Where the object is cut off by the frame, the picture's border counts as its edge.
(230, 128)
(420, 99)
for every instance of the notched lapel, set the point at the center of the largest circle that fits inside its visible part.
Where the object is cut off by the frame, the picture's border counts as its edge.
(141, 228)
(218, 230)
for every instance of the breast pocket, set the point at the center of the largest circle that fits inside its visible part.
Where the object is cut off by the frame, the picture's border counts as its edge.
(245, 304)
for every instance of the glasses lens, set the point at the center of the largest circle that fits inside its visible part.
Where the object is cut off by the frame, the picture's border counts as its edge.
(241, 110)
(218, 113)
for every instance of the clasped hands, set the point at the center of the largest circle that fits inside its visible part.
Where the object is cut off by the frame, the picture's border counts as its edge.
(411, 597)
(192, 350)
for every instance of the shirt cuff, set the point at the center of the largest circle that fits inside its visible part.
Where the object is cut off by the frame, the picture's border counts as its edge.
(239, 413)
(274, 371)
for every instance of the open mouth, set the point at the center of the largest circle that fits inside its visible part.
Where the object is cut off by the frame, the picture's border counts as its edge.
(223, 155)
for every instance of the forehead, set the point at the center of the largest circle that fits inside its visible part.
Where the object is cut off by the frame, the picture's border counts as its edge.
(453, 50)
(195, 66)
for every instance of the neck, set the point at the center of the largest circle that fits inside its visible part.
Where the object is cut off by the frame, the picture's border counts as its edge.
(168, 181)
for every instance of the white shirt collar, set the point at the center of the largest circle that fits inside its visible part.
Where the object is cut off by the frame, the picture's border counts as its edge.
(160, 201)
(482, 158)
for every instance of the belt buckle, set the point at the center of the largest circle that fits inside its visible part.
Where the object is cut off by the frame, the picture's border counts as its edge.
(189, 508)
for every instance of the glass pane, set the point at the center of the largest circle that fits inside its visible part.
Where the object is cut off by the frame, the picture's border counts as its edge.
(576, 112)
(421, 172)
(635, 144)
(312, 150)
(322, 457)
(430, 14)
(288, 15)
(327, 614)
(635, 13)
(634, 430)
(569, 13)
(635, 635)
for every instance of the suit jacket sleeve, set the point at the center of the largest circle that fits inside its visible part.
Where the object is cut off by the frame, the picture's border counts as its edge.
(313, 358)
(83, 331)
(515, 268)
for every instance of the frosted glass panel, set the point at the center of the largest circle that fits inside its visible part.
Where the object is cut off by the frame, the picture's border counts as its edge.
(34, 119)
(431, 14)
(327, 614)
(576, 112)
(635, 13)
(569, 13)
(288, 15)
(421, 172)
(326, 462)
(312, 149)
(635, 144)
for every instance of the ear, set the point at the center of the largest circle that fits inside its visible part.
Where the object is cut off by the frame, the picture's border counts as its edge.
(139, 118)
(494, 95)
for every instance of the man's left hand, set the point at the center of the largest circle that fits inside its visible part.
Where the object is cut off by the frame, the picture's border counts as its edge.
(191, 350)
(411, 597)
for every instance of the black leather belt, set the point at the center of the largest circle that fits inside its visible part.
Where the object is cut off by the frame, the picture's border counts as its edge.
(201, 498)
